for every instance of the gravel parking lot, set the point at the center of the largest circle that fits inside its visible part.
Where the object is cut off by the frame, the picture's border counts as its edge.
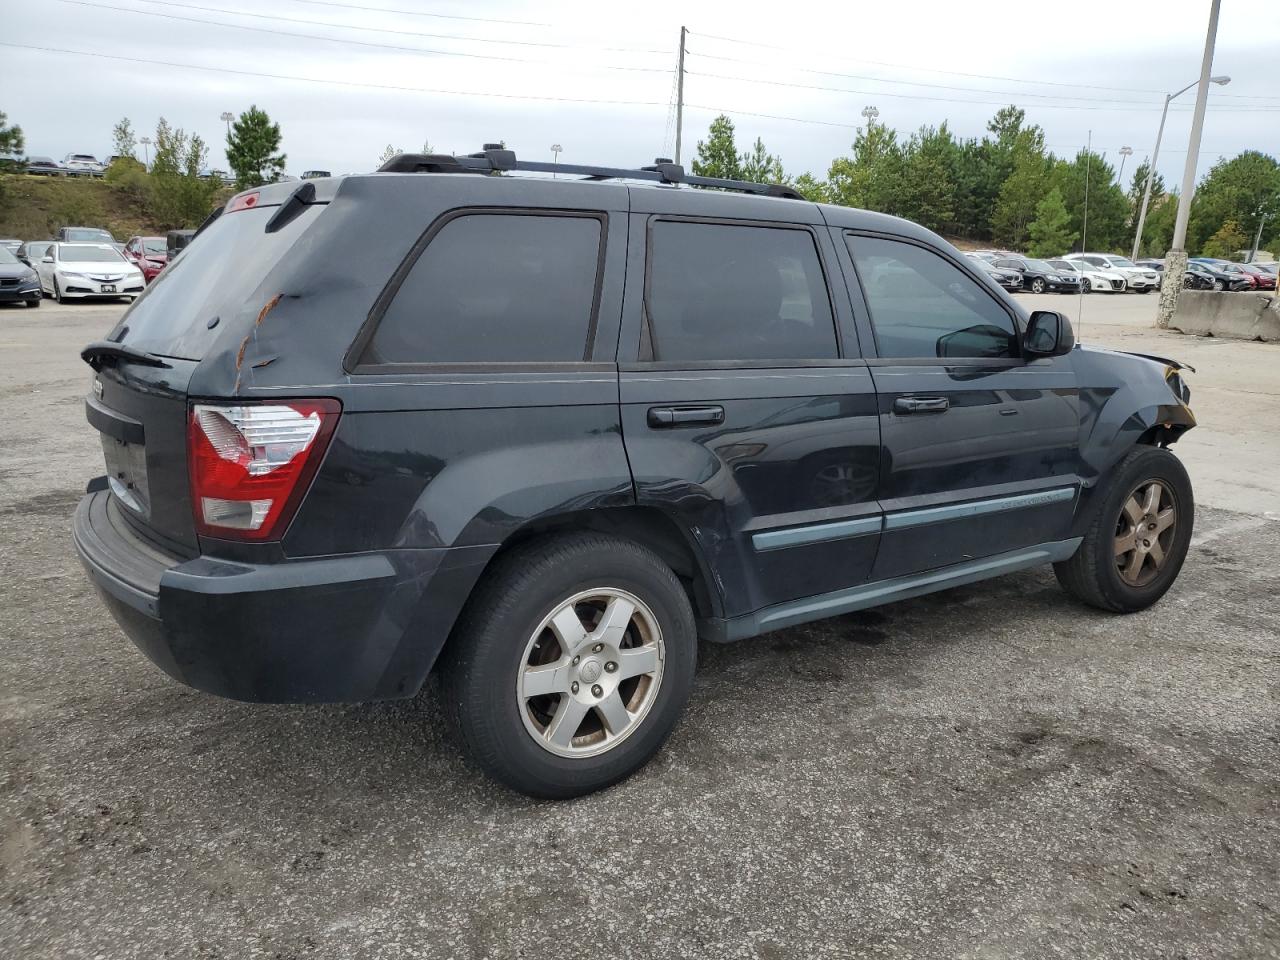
(991, 772)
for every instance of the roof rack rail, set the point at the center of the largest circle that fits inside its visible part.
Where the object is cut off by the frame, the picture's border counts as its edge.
(495, 158)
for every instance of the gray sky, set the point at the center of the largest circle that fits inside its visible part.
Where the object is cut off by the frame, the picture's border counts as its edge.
(1100, 66)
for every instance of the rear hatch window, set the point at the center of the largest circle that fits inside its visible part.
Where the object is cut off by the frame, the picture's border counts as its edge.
(213, 277)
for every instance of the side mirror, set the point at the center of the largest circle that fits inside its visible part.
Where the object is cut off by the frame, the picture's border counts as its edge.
(47, 260)
(1049, 334)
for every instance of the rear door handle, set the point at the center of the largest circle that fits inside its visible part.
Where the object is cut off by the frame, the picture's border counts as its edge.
(921, 405)
(685, 416)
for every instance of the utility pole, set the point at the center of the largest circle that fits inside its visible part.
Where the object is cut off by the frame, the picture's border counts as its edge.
(1253, 251)
(680, 94)
(1176, 262)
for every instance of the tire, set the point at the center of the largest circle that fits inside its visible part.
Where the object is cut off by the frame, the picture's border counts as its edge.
(1146, 290)
(1094, 573)
(57, 291)
(35, 303)
(1037, 285)
(1085, 285)
(506, 630)
(1219, 285)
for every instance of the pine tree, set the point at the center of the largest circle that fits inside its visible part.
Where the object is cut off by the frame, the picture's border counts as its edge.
(760, 166)
(251, 149)
(1050, 232)
(717, 156)
(125, 144)
(11, 143)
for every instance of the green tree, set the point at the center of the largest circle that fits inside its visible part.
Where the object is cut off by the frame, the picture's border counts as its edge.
(1024, 188)
(717, 156)
(1090, 176)
(758, 165)
(1226, 242)
(11, 144)
(124, 143)
(1244, 189)
(811, 188)
(871, 177)
(926, 193)
(388, 154)
(180, 197)
(1157, 232)
(1050, 232)
(252, 147)
(1138, 186)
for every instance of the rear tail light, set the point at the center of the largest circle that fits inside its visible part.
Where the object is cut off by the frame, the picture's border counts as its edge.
(250, 464)
(243, 201)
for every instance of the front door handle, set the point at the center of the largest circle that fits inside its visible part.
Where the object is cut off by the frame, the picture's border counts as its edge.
(921, 405)
(685, 416)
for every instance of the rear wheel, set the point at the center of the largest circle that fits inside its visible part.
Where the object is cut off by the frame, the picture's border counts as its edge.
(1085, 285)
(571, 664)
(1138, 539)
(1219, 285)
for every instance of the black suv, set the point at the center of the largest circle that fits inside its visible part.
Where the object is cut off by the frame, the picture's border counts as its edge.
(540, 435)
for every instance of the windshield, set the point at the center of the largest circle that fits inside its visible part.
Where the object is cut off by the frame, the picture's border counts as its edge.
(86, 253)
(79, 236)
(6, 256)
(1120, 262)
(1039, 266)
(1066, 265)
(154, 245)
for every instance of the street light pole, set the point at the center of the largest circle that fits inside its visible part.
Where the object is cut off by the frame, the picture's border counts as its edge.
(555, 156)
(227, 117)
(1176, 261)
(146, 147)
(1155, 155)
(870, 113)
(1125, 154)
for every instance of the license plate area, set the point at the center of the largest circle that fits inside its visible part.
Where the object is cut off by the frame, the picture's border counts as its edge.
(108, 288)
(127, 473)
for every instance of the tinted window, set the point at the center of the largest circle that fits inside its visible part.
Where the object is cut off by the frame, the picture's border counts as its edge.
(498, 288)
(88, 253)
(719, 292)
(1009, 264)
(924, 306)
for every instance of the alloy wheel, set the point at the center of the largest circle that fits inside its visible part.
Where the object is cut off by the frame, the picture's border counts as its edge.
(1037, 286)
(1144, 532)
(590, 673)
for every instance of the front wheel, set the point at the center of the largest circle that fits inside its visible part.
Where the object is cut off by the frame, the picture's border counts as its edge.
(1085, 285)
(57, 291)
(1137, 541)
(1037, 285)
(1219, 285)
(570, 665)
(35, 303)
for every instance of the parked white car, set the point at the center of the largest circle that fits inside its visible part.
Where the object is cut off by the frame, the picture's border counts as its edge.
(1092, 279)
(77, 271)
(1136, 277)
(83, 165)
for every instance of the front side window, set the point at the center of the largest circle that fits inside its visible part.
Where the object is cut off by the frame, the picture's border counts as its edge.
(496, 288)
(922, 305)
(731, 292)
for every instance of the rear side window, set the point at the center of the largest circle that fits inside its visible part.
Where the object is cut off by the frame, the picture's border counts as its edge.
(496, 288)
(727, 292)
(922, 305)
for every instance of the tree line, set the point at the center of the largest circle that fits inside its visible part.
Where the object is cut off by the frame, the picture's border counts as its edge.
(1009, 190)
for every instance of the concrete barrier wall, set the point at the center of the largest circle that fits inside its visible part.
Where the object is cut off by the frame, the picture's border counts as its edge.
(1239, 316)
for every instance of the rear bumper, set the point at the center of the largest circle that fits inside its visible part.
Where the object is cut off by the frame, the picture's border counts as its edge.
(342, 629)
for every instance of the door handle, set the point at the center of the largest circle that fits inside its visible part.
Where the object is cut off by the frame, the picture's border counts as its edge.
(685, 416)
(921, 405)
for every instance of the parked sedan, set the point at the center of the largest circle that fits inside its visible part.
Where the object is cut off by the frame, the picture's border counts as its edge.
(45, 167)
(82, 270)
(1090, 277)
(11, 244)
(1136, 278)
(1218, 279)
(32, 251)
(1009, 279)
(1263, 279)
(1229, 270)
(149, 254)
(1039, 276)
(18, 282)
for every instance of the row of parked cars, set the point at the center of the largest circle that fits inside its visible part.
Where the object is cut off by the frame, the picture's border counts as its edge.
(1110, 273)
(82, 263)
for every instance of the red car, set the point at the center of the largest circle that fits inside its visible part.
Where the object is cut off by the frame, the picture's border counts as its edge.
(149, 253)
(1262, 280)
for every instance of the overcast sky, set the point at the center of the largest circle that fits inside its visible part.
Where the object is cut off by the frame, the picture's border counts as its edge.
(1089, 65)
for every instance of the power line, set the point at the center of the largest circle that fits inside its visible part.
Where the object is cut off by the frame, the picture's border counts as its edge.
(359, 43)
(954, 73)
(1128, 105)
(419, 13)
(339, 83)
(403, 33)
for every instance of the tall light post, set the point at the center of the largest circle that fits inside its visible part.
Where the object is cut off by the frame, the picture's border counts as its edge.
(146, 147)
(227, 117)
(870, 113)
(1125, 154)
(556, 150)
(1175, 262)
(1155, 155)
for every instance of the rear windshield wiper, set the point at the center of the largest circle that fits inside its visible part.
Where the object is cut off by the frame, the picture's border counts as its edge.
(99, 352)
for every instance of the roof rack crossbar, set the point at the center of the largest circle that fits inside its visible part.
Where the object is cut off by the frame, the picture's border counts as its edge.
(493, 160)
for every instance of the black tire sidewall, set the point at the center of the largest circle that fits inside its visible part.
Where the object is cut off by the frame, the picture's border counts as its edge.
(494, 657)
(1154, 463)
